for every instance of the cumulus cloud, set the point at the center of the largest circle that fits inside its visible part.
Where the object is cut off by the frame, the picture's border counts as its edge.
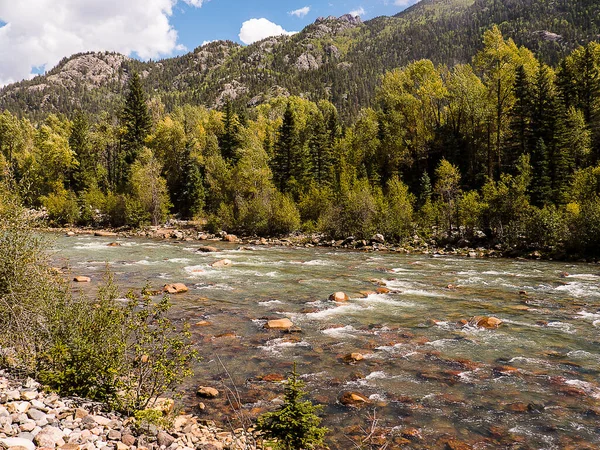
(38, 33)
(257, 29)
(358, 12)
(404, 2)
(302, 12)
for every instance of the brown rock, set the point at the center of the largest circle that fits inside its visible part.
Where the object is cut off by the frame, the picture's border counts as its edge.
(411, 433)
(279, 324)
(175, 288)
(114, 244)
(486, 322)
(272, 378)
(365, 294)
(128, 440)
(164, 439)
(80, 413)
(353, 357)
(105, 234)
(82, 279)
(207, 392)
(203, 323)
(350, 398)
(383, 290)
(454, 444)
(339, 297)
(207, 249)
(230, 238)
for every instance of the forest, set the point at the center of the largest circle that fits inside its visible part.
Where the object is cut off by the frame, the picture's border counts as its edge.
(503, 152)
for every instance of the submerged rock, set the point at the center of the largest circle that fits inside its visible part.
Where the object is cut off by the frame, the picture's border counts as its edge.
(222, 263)
(175, 288)
(207, 249)
(353, 357)
(485, 322)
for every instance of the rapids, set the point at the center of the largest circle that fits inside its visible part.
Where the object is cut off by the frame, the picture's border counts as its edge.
(531, 383)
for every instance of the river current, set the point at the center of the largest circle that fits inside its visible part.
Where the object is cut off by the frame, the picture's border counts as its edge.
(531, 383)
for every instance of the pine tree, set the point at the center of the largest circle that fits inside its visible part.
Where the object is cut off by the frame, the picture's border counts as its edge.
(295, 426)
(188, 196)
(135, 120)
(520, 119)
(79, 142)
(229, 141)
(320, 148)
(541, 191)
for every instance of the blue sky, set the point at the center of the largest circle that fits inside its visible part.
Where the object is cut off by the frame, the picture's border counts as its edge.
(36, 34)
(222, 19)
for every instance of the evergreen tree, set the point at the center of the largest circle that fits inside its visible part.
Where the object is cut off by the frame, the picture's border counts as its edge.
(229, 141)
(135, 121)
(521, 127)
(320, 148)
(541, 191)
(188, 196)
(79, 142)
(295, 425)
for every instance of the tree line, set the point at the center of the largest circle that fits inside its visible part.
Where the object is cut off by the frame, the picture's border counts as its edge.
(505, 147)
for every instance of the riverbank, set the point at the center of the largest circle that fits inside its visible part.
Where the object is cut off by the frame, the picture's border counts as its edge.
(416, 245)
(30, 418)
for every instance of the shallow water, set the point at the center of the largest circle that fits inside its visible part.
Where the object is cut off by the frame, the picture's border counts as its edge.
(532, 383)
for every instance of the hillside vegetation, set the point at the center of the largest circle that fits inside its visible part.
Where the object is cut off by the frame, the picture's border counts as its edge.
(338, 59)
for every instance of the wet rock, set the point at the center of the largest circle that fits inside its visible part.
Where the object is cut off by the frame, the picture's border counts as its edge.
(383, 290)
(175, 288)
(353, 357)
(378, 238)
(505, 371)
(113, 244)
(272, 378)
(351, 398)
(564, 274)
(485, 322)
(279, 324)
(207, 249)
(230, 238)
(222, 263)
(207, 392)
(454, 444)
(82, 279)
(339, 297)
(411, 433)
(517, 407)
(105, 234)
(365, 294)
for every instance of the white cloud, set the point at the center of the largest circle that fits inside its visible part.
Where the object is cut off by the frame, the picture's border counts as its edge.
(404, 2)
(302, 12)
(358, 12)
(257, 29)
(38, 33)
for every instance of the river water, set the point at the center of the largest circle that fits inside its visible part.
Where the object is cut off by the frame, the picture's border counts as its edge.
(531, 383)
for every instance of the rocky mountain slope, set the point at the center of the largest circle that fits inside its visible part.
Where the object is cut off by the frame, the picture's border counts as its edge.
(336, 58)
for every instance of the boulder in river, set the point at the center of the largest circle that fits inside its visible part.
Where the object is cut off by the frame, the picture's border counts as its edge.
(378, 238)
(339, 297)
(353, 357)
(279, 324)
(207, 392)
(486, 322)
(105, 234)
(222, 263)
(207, 249)
(82, 279)
(351, 398)
(175, 288)
(230, 238)
(114, 244)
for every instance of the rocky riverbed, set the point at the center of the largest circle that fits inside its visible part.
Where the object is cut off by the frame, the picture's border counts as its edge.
(31, 418)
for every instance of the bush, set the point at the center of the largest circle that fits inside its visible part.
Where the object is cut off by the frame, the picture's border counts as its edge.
(62, 207)
(295, 425)
(284, 217)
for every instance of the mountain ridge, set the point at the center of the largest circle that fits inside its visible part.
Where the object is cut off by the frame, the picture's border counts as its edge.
(336, 58)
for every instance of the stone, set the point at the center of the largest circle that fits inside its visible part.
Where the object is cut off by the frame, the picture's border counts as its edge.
(105, 234)
(114, 244)
(114, 435)
(122, 446)
(82, 279)
(36, 414)
(411, 433)
(28, 395)
(350, 398)
(175, 288)
(207, 392)
(49, 437)
(222, 263)
(353, 357)
(70, 446)
(279, 324)
(378, 238)
(383, 290)
(12, 442)
(339, 297)
(207, 249)
(230, 238)
(101, 420)
(486, 322)
(128, 440)
(80, 413)
(164, 439)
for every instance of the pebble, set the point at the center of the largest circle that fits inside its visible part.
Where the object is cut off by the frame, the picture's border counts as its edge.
(31, 418)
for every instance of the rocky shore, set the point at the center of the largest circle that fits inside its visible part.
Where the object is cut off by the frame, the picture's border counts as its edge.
(31, 418)
(473, 248)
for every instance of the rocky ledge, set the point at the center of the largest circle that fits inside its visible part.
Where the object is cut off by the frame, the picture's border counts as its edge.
(31, 418)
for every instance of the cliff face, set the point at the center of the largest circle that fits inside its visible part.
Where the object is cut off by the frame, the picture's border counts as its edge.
(337, 58)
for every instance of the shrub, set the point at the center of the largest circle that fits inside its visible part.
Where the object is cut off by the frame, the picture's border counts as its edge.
(62, 207)
(296, 424)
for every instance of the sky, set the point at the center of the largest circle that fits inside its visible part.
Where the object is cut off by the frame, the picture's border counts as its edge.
(36, 34)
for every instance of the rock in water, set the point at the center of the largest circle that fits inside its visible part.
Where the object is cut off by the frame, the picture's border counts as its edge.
(207, 392)
(82, 279)
(222, 263)
(339, 297)
(350, 398)
(279, 324)
(353, 357)
(175, 288)
(486, 322)
(207, 249)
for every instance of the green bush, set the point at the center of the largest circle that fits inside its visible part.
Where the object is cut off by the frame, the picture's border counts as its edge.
(62, 207)
(284, 217)
(295, 425)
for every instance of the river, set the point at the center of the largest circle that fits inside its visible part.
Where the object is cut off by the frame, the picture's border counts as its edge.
(531, 383)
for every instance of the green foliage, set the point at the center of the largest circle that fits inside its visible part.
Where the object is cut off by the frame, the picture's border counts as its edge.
(295, 426)
(62, 207)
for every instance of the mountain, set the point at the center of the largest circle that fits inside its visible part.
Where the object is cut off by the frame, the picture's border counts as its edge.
(337, 58)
